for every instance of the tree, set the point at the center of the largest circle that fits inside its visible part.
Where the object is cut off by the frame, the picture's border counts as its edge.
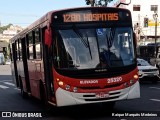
(90, 2)
(98, 2)
(104, 2)
(5, 27)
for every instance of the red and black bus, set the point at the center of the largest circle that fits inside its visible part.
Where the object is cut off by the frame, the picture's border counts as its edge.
(77, 56)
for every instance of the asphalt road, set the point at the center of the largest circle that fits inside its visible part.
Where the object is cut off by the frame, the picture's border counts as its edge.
(11, 101)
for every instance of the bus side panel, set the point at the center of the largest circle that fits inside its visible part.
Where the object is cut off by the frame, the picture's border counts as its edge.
(34, 65)
(35, 74)
(34, 82)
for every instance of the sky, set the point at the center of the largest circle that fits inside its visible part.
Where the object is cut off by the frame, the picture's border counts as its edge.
(25, 12)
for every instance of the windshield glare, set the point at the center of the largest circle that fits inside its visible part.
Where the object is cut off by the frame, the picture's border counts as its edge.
(93, 48)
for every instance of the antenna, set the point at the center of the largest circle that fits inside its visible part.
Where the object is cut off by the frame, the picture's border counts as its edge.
(123, 3)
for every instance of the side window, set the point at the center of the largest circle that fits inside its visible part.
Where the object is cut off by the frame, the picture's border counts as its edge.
(38, 48)
(17, 50)
(30, 45)
(20, 49)
(34, 44)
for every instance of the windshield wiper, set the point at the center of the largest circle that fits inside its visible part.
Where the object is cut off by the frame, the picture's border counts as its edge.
(78, 33)
(88, 45)
(84, 41)
(110, 37)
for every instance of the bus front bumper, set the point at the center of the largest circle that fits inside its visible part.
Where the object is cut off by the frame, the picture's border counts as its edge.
(66, 98)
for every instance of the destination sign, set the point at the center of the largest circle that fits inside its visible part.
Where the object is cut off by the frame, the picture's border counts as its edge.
(86, 17)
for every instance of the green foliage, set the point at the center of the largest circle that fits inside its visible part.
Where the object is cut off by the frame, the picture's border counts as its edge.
(99, 2)
(104, 2)
(88, 2)
(4, 28)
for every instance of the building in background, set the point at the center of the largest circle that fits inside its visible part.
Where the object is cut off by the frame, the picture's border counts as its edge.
(145, 15)
(6, 36)
(10, 32)
(3, 46)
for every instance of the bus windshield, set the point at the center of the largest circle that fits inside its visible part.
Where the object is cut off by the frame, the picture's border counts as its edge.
(94, 48)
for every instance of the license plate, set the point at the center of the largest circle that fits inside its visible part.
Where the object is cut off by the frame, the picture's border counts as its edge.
(102, 95)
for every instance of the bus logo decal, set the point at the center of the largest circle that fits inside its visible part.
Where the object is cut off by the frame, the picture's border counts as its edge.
(88, 81)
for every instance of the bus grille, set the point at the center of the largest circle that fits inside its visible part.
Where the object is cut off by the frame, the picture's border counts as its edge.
(101, 99)
(92, 97)
(150, 70)
(98, 87)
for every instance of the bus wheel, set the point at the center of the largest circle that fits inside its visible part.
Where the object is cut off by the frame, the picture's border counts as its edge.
(109, 105)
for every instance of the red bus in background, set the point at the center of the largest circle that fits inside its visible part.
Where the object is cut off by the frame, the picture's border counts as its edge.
(77, 56)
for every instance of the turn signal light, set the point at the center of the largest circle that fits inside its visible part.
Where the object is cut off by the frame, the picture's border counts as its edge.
(57, 79)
